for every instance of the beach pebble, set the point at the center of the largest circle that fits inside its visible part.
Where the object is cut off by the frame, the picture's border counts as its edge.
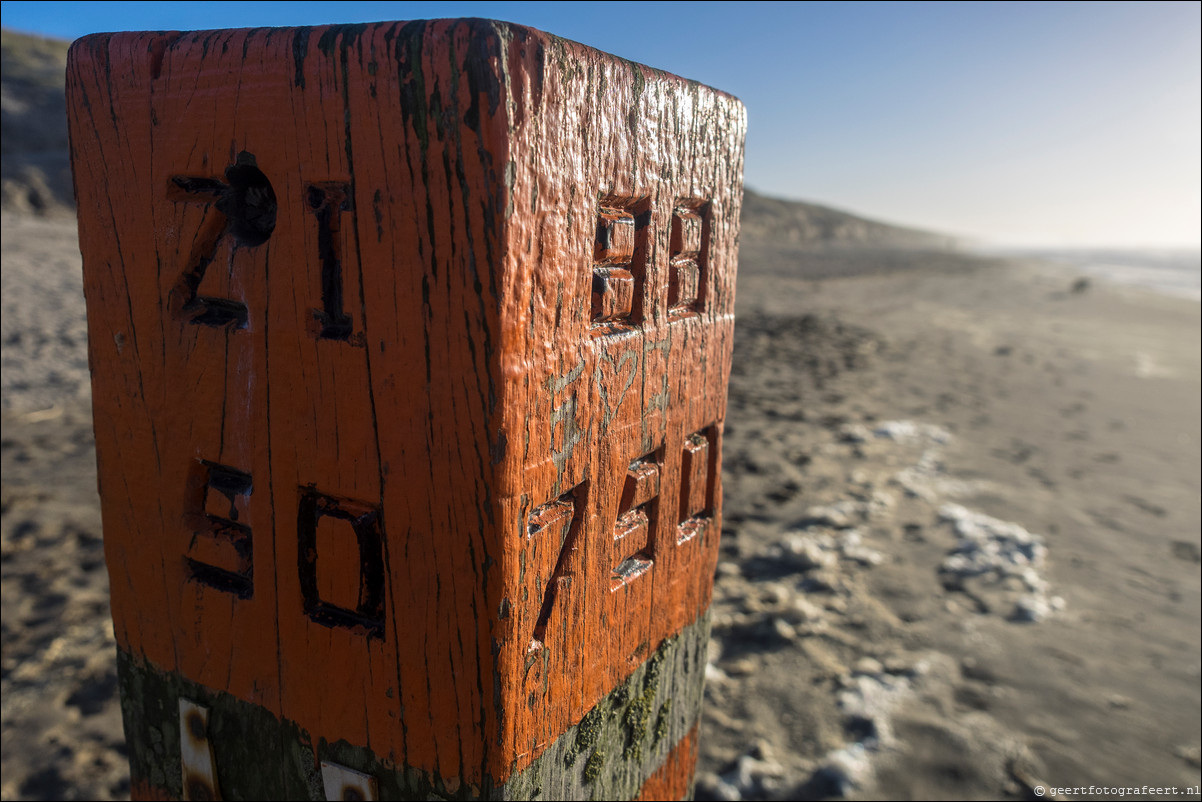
(807, 553)
(803, 611)
(742, 667)
(840, 515)
(855, 433)
(811, 628)
(835, 604)
(752, 776)
(864, 556)
(729, 569)
(903, 430)
(1191, 755)
(715, 675)
(783, 629)
(843, 772)
(896, 430)
(852, 547)
(823, 658)
(751, 604)
(1031, 608)
(867, 699)
(775, 594)
(880, 505)
(869, 665)
(915, 485)
(825, 580)
(711, 786)
(1003, 553)
(723, 621)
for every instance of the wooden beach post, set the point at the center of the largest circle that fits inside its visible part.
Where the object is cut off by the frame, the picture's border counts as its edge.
(409, 346)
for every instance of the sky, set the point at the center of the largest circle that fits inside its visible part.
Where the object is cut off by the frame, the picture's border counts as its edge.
(1011, 124)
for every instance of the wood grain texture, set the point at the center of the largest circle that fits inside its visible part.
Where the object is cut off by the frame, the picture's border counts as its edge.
(403, 337)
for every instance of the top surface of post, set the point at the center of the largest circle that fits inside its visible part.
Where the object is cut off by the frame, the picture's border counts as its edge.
(410, 344)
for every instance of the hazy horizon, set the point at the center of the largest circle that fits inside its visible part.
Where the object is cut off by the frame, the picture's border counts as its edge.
(1018, 125)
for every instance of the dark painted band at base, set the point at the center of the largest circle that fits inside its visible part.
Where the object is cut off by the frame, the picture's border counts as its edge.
(624, 741)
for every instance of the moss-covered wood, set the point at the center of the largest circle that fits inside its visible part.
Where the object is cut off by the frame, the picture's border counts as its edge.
(608, 755)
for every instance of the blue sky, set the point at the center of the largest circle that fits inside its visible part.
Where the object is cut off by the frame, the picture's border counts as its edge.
(1011, 123)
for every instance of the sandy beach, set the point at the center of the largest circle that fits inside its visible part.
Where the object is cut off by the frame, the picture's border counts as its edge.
(960, 554)
(971, 494)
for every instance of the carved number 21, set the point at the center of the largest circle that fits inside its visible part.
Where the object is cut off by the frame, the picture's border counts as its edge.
(248, 208)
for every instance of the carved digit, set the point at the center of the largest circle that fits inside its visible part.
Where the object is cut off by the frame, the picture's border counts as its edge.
(619, 266)
(558, 521)
(338, 540)
(689, 260)
(221, 553)
(248, 210)
(327, 202)
(634, 541)
(697, 470)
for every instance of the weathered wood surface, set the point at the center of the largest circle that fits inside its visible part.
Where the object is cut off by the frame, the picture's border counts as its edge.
(410, 346)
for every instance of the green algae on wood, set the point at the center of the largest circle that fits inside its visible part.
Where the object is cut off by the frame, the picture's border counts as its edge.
(609, 754)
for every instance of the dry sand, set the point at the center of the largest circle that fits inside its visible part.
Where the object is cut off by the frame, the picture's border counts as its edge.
(961, 547)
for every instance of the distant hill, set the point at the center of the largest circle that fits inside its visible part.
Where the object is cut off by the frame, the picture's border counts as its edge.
(797, 224)
(35, 170)
(37, 178)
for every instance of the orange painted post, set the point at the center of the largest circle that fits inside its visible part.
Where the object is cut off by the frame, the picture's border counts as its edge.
(410, 345)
